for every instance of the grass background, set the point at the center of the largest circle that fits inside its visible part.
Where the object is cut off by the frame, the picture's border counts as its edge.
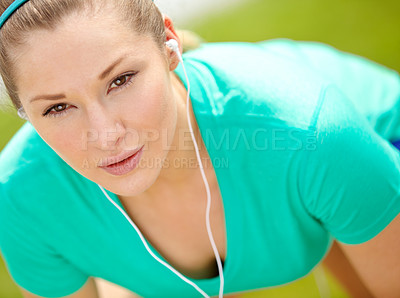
(369, 28)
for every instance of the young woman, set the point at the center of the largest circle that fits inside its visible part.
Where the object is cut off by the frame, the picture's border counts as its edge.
(104, 180)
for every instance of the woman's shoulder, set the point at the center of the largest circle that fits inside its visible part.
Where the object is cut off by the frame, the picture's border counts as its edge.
(25, 154)
(36, 183)
(239, 81)
(286, 81)
(285, 65)
(30, 170)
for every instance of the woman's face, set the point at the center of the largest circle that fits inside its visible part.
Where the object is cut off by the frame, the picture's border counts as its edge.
(96, 92)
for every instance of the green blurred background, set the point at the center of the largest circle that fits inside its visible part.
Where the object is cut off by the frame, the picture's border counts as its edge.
(369, 28)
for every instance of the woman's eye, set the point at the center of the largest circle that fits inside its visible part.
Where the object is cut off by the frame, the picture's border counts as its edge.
(122, 81)
(56, 110)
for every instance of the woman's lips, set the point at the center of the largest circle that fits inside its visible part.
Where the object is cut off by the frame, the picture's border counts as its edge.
(122, 164)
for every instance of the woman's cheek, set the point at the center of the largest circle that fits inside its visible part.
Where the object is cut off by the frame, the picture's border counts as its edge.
(70, 146)
(149, 107)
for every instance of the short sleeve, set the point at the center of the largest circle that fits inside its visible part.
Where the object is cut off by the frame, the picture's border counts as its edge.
(372, 88)
(351, 177)
(31, 262)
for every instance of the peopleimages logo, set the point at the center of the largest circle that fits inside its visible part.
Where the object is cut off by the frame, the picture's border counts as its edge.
(176, 163)
(224, 143)
(260, 139)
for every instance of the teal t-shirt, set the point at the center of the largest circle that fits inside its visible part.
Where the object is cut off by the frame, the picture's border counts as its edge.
(298, 134)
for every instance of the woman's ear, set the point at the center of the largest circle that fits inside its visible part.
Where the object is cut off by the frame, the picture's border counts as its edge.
(171, 34)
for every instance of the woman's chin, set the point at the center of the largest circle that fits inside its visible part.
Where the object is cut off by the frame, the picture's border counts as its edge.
(132, 185)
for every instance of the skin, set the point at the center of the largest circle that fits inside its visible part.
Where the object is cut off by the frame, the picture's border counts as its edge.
(377, 261)
(100, 118)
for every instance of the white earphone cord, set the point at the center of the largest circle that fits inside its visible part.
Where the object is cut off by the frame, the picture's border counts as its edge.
(174, 47)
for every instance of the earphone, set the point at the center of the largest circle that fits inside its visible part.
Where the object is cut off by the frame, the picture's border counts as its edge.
(174, 46)
(21, 113)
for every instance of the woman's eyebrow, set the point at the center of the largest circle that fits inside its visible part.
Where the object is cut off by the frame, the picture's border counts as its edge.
(101, 77)
(48, 97)
(110, 68)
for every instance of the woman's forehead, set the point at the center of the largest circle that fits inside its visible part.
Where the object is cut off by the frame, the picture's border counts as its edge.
(80, 29)
(81, 49)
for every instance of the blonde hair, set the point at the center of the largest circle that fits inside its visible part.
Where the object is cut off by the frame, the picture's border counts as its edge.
(142, 15)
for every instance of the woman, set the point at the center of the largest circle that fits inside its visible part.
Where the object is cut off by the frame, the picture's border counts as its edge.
(293, 139)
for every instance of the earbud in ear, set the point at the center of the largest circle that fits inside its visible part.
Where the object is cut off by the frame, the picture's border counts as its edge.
(173, 45)
(21, 113)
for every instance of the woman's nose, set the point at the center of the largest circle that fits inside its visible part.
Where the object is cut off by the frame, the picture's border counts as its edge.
(106, 129)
